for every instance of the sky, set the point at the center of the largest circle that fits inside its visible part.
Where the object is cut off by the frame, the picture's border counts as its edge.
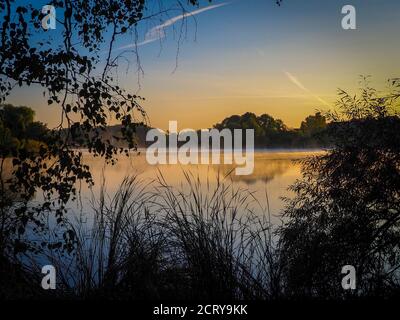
(251, 55)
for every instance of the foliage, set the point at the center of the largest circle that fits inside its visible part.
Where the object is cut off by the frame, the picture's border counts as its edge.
(188, 243)
(347, 209)
(270, 132)
(19, 131)
(313, 124)
(150, 241)
(69, 66)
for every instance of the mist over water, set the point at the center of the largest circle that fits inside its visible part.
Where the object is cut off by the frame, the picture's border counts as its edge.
(274, 172)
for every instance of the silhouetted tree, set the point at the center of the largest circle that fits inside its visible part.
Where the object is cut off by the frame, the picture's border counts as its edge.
(74, 66)
(270, 132)
(313, 124)
(346, 209)
(19, 131)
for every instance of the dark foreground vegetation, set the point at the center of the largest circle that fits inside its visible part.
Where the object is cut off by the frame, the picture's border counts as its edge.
(156, 242)
(160, 243)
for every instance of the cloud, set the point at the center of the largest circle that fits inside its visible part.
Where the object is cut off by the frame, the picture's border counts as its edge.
(294, 80)
(158, 32)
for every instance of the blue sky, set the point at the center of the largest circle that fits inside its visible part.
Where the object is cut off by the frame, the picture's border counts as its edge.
(251, 55)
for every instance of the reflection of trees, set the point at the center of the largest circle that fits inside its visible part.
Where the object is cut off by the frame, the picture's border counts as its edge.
(347, 206)
(264, 171)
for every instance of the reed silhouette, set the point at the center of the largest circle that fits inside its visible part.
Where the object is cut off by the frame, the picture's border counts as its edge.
(153, 241)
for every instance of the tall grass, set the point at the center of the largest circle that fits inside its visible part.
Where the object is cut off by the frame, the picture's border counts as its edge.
(216, 238)
(154, 241)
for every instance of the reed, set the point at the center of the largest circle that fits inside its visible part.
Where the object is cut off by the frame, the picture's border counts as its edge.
(153, 241)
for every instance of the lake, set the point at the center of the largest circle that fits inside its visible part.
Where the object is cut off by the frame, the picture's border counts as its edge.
(274, 172)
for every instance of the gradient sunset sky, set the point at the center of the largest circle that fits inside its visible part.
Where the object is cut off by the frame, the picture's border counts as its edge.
(251, 55)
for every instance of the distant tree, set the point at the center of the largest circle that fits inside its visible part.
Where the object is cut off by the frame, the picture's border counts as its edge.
(37, 131)
(17, 119)
(268, 123)
(232, 122)
(313, 124)
(7, 142)
(267, 130)
(250, 121)
(261, 125)
(19, 131)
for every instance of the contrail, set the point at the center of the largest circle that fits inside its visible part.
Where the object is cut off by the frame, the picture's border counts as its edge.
(158, 32)
(293, 79)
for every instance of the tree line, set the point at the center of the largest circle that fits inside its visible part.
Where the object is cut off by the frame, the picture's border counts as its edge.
(271, 132)
(20, 132)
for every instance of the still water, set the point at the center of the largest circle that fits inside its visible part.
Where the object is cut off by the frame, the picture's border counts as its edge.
(274, 171)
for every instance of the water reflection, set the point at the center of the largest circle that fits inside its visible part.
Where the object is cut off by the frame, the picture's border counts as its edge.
(273, 173)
